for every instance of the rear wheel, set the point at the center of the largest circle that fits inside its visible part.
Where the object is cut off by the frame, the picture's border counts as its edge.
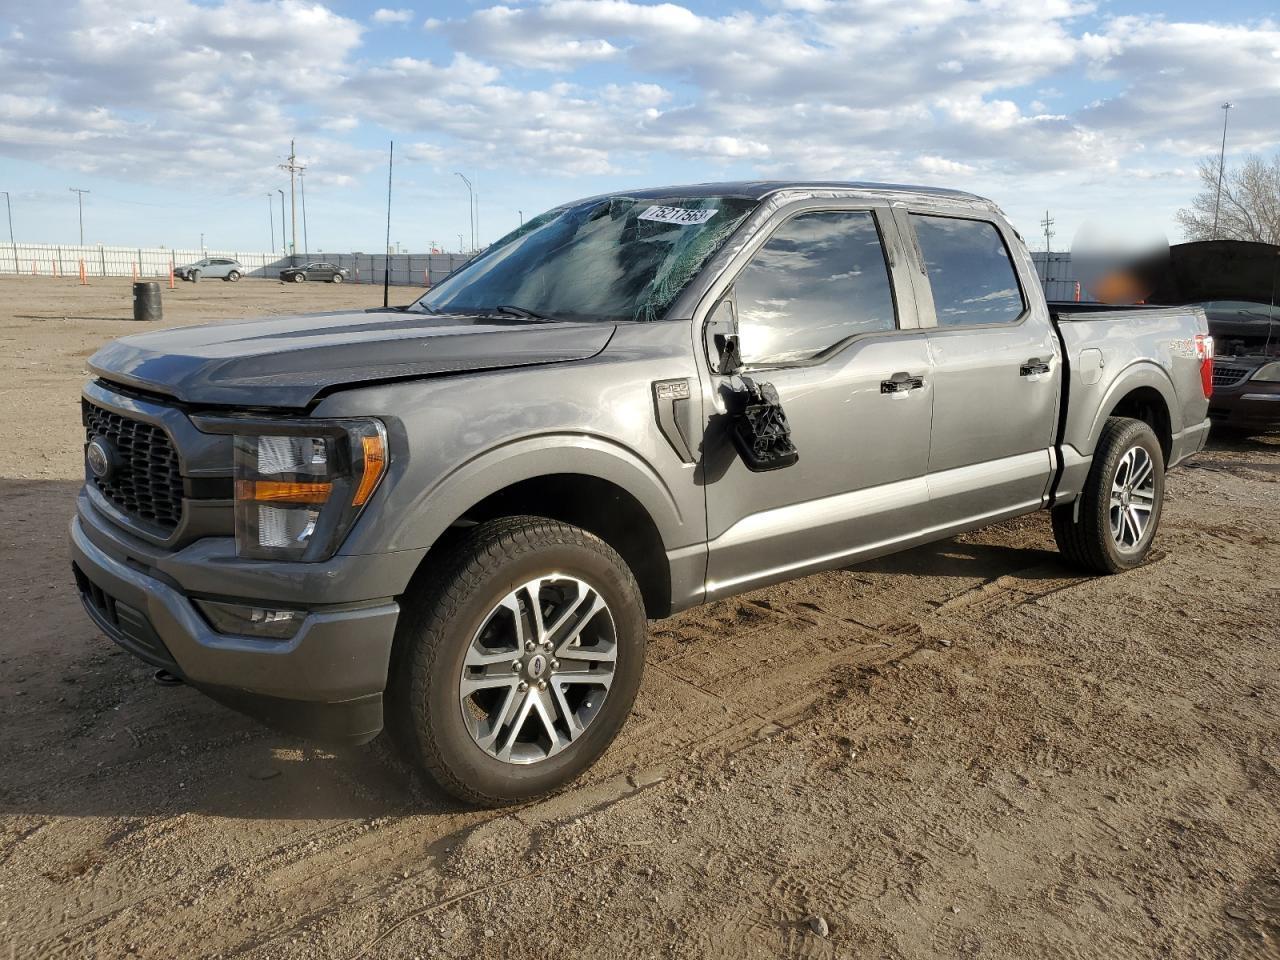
(337, 278)
(1119, 508)
(233, 276)
(518, 669)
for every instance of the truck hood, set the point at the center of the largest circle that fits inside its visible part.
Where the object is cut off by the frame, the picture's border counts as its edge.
(290, 361)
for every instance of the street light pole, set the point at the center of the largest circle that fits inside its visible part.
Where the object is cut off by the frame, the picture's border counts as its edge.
(284, 237)
(1222, 159)
(471, 207)
(271, 222)
(306, 246)
(80, 200)
(9, 209)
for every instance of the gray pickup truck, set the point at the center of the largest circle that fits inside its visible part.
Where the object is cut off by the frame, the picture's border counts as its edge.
(453, 519)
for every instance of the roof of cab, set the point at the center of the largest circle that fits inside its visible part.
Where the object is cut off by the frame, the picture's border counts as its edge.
(758, 189)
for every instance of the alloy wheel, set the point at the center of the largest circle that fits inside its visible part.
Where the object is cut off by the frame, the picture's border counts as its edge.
(1133, 497)
(538, 670)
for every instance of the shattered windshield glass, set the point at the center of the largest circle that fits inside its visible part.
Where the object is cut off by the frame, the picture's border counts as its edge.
(616, 259)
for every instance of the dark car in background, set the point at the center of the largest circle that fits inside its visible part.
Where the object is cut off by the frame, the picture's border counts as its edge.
(319, 270)
(1246, 368)
(1237, 283)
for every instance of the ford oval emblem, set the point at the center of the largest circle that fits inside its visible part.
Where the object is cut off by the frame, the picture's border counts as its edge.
(100, 457)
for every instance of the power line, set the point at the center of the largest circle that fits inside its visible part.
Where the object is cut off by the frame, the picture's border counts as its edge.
(80, 200)
(293, 168)
(1047, 223)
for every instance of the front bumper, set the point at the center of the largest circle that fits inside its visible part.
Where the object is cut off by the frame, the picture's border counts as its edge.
(326, 682)
(1254, 404)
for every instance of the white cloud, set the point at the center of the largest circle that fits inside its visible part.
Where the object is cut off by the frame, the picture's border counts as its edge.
(943, 91)
(384, 15)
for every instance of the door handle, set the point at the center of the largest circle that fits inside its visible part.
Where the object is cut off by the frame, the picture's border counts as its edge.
(1033, 368)
(901, 383)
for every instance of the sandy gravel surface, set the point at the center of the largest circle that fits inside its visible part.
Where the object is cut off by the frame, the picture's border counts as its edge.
(961, 751)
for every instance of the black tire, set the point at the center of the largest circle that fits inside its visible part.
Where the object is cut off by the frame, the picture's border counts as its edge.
(299, 277)
(337, 278)
(1088, 541)
(233, 276)
(194, 276)
(424, 712)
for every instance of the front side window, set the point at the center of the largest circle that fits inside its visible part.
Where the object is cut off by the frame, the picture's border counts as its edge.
(970, 273)
(820, 279)
(614, 259)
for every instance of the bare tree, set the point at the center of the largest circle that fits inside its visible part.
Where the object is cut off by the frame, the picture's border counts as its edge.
(1250, 206)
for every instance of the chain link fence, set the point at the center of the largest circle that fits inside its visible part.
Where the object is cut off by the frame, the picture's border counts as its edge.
(66, 260)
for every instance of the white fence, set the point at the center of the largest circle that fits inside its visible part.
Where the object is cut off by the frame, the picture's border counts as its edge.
(65, 260)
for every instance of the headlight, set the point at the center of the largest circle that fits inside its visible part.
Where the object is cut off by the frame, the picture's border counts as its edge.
(300, 486)
(1270, 373)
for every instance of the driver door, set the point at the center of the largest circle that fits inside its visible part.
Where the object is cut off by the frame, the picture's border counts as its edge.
(824, 311)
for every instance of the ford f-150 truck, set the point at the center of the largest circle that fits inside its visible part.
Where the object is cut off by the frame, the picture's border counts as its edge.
(453, 519)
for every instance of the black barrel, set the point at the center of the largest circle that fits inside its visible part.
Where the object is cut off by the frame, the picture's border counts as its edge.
(146, 301)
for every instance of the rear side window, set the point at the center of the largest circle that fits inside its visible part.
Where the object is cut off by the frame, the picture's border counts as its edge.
(972, 277)
(820, 279)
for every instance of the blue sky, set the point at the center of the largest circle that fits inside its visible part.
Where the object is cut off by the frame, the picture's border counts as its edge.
(174, 113)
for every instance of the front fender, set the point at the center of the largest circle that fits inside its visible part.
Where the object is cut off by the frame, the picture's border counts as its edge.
(429, 512)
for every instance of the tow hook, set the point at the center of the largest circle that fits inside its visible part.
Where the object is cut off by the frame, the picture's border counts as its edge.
(167, 679)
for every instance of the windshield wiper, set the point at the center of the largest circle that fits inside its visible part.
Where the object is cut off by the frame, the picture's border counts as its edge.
(508, 310)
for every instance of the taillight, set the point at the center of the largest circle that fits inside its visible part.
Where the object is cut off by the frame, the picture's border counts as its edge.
(1204, 350)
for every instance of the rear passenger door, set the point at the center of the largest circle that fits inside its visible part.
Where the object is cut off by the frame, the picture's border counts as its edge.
(997, 371)
(825, 313)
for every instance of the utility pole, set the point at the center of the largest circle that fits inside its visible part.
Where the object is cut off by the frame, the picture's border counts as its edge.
(293, 168)
(460, 249)
(1047, 223)
(1222, 159)
(11, 243)
(202, 244)
(80, 199)
(521, 212)
(471, 207)
(306, 246)
(284, 237)
(271, 221)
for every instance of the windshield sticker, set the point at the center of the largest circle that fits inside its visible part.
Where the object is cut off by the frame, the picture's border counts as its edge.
(686, 218)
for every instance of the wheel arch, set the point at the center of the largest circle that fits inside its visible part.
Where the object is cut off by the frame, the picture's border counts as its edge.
(589, 483)
(1143, 392)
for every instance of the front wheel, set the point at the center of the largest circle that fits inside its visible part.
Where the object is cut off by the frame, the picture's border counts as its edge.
(194, 276)
(518, 668)
(298, 278)
(1120, 505)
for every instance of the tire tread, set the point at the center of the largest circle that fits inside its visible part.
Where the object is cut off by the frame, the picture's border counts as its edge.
(1083, 543)
(476, 555)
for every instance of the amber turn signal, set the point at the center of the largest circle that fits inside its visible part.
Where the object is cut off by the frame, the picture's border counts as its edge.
(375, 462)
(276, 491)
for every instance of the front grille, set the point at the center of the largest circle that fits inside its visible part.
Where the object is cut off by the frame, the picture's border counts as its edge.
(1228, 376)
(145, 483)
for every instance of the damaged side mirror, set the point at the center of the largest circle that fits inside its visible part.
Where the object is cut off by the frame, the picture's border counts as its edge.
(756, 422)
(758, 425)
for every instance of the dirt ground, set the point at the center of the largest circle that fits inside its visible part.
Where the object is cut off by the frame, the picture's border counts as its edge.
(961, 751)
